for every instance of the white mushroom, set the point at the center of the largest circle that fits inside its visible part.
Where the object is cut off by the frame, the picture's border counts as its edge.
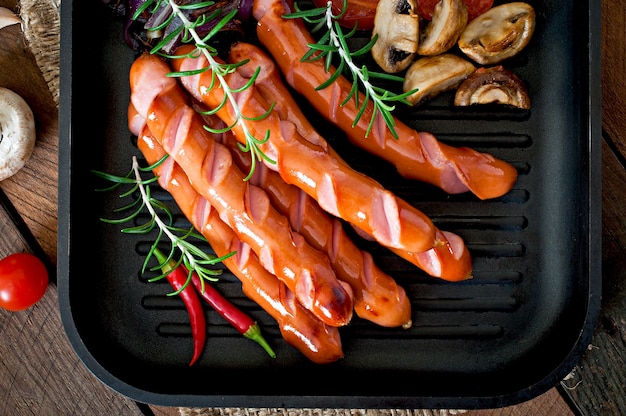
(17, 132)
(499, 33)
(396, 24)
(432, 75)
(495, 85)
(448, 21)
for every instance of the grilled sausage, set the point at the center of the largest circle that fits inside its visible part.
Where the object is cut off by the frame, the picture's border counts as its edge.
(244, 207)
(450, 260)
(317, 341)
(415, 155)
(338, 189)
(377, 297)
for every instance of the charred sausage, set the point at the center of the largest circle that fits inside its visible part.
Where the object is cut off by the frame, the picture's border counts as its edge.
(415, 155)
(337, 188)
(244, 207)
(317, 341)
(377, 297)
(450, 260)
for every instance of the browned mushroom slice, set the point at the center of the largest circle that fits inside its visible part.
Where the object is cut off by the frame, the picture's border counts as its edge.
(493, 85)
(432, 75)
(396, 24)
(448, 21)
(499, 33)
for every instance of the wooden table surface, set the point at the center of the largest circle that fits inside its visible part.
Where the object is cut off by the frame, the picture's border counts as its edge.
(40, 374)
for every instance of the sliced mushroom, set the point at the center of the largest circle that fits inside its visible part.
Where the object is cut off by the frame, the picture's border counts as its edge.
(493, 85)
(432, 75)
(499, 33)
(448, 21)
(17, 132)
(396, 24)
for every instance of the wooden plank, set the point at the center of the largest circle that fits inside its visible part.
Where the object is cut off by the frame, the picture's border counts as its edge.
(596, 384)
(39, 371)
(613, 70)
(11, 240)
(33, 190)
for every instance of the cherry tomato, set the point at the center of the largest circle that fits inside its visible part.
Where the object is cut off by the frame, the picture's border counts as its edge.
(425, 8)
(361, 11)
(23, 281)
(475, 8)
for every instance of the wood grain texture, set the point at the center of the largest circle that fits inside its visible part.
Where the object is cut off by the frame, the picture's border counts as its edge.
(39, 372)
(596, 384)
(33, 190)
(613, 70)
(41, 375)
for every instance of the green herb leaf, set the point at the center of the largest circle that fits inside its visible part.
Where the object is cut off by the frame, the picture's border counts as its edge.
(332, 45)
(219, 70)
(183, 242)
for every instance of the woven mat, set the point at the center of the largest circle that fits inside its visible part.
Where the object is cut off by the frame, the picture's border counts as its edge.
(41, 29)
(313, 412)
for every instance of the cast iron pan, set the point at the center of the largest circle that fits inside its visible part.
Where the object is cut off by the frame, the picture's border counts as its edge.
(507, 335)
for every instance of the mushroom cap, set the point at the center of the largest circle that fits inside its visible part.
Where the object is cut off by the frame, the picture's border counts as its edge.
(493, 85)
(448, 21)
(17, 132)
(499, 33)
(432, 75)
(397, 26)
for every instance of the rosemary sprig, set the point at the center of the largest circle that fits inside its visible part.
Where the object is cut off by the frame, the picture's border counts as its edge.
(333, 45)
(160, 217)
(219, 69)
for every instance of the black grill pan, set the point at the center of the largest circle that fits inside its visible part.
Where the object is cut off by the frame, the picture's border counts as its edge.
(507, 335)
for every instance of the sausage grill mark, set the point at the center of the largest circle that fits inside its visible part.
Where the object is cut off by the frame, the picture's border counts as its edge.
(454, 170)
(305, 270)
(316, 340)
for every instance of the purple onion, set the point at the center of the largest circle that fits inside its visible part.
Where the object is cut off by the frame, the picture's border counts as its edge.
(130, 34)
(223, 6)
(134, 31)
(245, 10)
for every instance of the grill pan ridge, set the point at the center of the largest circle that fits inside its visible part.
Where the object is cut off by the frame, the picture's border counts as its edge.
(505, 336)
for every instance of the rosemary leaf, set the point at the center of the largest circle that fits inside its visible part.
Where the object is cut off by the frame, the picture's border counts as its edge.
(332, 45)
(220, 25)
(136, 203)
(166, 39)
(195, 6)
(187, 32)
(161, 218)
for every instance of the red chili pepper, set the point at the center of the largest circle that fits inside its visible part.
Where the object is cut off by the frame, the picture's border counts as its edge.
(237, 318)
(178, 278)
